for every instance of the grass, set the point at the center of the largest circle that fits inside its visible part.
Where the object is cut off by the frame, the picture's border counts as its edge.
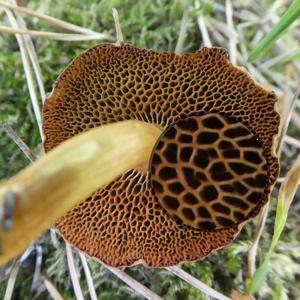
(156, 25)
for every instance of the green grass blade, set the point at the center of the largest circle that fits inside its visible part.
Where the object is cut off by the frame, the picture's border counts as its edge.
(261, 273)
(287, 19)
(285, 197)
(259, 276)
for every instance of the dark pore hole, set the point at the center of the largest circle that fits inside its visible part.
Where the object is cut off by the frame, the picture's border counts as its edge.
(218, 207)
(239, 203)
(224, 221)
(170, 202)
(186, 153)
(201, 159)
(209, 193)
(171, 153)
(207, 137)
(206, 225)
(203, 212)
(190, 199)
(189, 124)
(191, 178)
(252, 157)
(236, 132)
(213, 122)
(188, 213)
(167, 173)
(176, 187)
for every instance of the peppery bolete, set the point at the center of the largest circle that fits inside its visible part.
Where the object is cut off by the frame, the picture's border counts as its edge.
(211, 170)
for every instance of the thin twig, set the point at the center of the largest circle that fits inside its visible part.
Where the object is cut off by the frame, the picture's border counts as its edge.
(233, 34)
(135, 285)
(120, 39)
(258, 232)
(183, 29)
(292, 141)
(28, 73)
(88, 277)
(72, 37)
(196, 283)
(73, 273)
(19, 142)
(51, 20)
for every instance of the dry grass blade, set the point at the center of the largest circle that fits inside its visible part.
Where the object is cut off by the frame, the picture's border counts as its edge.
(285, 197)
(286, 122)
(36, 281)
(51, 20)
(19, 142)
(263, 216)
(119, 33)
(72, 37)
(292, 141)
(89, 161)
(289, 186)
(202, 26)
(32, 55)
(197, 283)
(27, 69)
(135, 285)
(232, 34)
(13, 274)
(12, 280)
(52, 289)
(182, 32)
(275, 60)
(253, 249)
(73, 273)
(88, 277)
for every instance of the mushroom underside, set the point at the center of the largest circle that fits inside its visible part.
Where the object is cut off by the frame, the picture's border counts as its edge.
(130, 219)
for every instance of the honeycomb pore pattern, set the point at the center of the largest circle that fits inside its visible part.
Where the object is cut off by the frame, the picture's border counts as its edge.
(124, 223)
(209, 171)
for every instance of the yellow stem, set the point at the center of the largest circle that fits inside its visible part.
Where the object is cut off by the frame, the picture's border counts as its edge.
(37, 196)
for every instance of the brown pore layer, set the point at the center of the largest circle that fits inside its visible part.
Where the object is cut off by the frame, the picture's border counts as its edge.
(209, 172)
(123, 223)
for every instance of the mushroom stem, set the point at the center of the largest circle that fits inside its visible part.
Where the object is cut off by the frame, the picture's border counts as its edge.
(37, 196)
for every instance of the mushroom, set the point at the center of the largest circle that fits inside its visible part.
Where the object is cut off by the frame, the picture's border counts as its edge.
(211, 170)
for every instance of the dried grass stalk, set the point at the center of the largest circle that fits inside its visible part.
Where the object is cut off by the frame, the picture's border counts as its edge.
(27, 70)
(19, 142)
(51, 20)
(72, 37)
(30, 48)
(88, 276)
(52, 289)
(135, 285)
(73, 273)
(197, 283)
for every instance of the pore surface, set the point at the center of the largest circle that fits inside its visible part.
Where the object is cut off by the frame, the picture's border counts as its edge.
(124, 223)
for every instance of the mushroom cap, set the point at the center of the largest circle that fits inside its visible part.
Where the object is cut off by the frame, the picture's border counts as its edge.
(128, 221)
